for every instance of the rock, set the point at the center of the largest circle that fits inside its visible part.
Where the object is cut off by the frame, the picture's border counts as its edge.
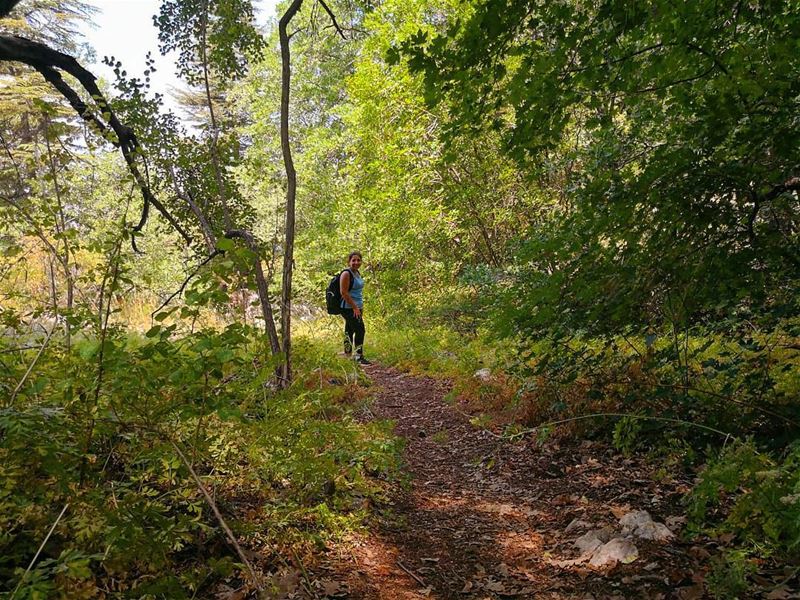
(588, 542)
(577, 525)
(618, 550)
(641, 524)
(591, 540)
(657, 531)
(483, 374)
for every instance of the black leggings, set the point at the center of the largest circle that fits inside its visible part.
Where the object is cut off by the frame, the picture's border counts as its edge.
(353, 330)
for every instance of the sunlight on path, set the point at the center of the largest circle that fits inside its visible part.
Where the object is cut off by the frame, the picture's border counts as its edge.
(484, 519)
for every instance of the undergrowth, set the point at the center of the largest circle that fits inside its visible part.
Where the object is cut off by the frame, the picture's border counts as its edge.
(99, 439)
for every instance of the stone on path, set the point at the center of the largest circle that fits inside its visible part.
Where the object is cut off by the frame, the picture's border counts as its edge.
(641, 524)
(591, 540)
(483, 374)
(618, 550)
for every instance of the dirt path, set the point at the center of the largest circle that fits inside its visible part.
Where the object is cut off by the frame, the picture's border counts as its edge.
(484, 519)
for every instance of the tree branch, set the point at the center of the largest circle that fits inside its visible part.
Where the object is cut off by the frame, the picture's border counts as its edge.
(790, 185)
(255, 580)
(184, 194)
(46, 61)
(263, 288)
(658, 88)
(333, 18)
(186, 281)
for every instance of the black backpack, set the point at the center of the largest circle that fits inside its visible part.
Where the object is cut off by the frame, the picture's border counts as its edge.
(333, 295)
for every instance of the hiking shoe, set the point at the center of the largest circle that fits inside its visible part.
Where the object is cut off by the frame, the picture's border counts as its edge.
(362, 361)
(348, 348)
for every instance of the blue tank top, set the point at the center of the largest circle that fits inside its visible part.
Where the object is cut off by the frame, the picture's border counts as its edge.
(356, 292)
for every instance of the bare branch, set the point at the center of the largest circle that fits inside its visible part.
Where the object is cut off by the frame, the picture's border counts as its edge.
(184, 194)
(255, 580)
(187, 280)
(46, 60)
(32, 365)
(263, 288)
(333, 18)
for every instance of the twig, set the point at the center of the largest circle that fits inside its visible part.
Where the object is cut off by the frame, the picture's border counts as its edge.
(416, 577)
(630, 416)
(306, 579)
(30, 368)
(220, 519)
(333, 18)
(17, 349)
(39, 551)
(187, 280)
(717, 395)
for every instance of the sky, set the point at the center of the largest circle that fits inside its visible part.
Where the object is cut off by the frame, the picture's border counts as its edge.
(124, 29)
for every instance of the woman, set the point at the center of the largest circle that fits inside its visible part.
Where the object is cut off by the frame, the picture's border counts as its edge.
(352, 307)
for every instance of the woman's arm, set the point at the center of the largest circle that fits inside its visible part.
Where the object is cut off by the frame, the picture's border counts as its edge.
(344, 288)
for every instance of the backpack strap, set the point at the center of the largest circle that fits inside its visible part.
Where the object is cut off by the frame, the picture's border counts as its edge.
(352, 278)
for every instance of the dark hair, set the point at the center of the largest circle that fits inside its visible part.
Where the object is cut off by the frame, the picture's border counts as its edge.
(352, 254)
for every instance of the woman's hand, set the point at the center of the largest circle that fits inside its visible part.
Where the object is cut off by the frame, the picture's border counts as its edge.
(356, 312)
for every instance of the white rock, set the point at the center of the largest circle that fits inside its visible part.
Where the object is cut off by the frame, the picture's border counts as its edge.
(591, 540)
(641, 524)
(655, 531)
(634, 519)
(588, 542)
(483, 374)
(616, 551)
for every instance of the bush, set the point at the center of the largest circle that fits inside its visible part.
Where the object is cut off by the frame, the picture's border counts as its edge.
(752, 496)
(95, 431)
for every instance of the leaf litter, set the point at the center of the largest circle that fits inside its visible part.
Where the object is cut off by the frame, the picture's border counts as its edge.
(483, 518)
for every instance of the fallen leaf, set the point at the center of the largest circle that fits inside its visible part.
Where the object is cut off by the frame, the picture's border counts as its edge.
(330, 588)
(494, 586)
(781, 592)
(620, 511)
(229, 593)
(726, 538)
(694, 592)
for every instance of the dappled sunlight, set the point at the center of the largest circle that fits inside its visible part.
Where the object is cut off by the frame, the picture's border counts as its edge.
(441, 502)
(486, 520)
(506, 509)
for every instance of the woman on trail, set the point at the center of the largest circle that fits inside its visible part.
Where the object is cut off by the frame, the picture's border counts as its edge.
(352, 307)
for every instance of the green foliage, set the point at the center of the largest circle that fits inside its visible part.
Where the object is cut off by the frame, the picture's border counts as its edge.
(764, 497)
(227, 28)
(663, 131)
(626, 434)
(94, 428)
(597, 202)
(728, 575)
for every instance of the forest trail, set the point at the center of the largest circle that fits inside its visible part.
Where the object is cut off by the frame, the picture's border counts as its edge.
(485, 518)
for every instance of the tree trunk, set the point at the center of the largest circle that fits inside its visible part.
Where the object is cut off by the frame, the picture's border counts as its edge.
(291, 192)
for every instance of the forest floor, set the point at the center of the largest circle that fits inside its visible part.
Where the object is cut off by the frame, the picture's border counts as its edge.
(483, 517)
